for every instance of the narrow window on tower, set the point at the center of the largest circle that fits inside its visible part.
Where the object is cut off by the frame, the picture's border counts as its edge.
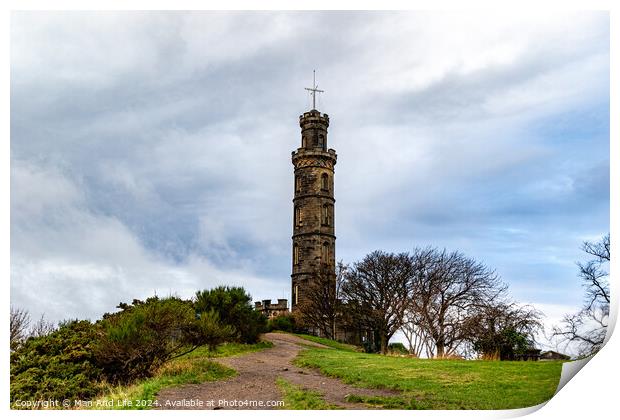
(297, 217)
(321, 141)
(295, 254)
(325, 182)
(296, 294)
(297, 183)
(325, 215)
(325, 253)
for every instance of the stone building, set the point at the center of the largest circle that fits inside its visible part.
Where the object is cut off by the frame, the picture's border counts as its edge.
(271, 310)
(314, 240)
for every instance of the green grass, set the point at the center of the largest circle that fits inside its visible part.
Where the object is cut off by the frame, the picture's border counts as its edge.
(439, 384)
(329, 343)
(141, 396)
(228, 349)
(296, 398)
(192, 368)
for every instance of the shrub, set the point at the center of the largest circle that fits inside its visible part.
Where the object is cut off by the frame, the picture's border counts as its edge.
(507, 344)
(234, 308)
(282, 323)
(398, 348)
(142, 336)
(73, 361)
(57, 366)
(211, 331)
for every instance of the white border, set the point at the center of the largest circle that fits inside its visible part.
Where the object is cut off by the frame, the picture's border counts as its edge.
(590, 394)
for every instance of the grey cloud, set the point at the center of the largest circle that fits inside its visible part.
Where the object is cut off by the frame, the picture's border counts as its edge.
(152, 150)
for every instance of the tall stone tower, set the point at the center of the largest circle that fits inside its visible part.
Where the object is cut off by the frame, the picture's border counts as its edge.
(314, 237)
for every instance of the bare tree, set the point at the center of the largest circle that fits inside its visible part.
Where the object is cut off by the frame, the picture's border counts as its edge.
(420, 343)
(594, 276)
(41, 327)
(321, 307)
(447, 288)
(20, 321)
(588, 327)
(21, 327)
(502, 330)
(376, 291)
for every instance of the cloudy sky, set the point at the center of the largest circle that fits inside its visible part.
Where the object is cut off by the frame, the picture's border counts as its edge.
(150, 152)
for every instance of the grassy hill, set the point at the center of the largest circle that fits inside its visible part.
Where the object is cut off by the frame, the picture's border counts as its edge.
(437, 384)
(423, 384)
(329, 343)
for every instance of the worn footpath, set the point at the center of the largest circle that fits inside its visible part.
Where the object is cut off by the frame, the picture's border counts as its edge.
(256, 381)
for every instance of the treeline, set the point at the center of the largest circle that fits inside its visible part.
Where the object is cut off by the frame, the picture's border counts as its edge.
(75, 360)
(446, 304)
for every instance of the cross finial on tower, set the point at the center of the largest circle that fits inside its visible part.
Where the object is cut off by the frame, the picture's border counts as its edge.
(314, 89)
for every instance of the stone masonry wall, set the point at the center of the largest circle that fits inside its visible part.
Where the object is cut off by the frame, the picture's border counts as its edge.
(314, 237)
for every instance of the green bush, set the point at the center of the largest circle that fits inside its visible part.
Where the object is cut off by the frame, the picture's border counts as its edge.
(74, 361)
(57, 366)
(506, 344)
(282, 323)
(398, 348)
(211, 331)
(141, 337)
(234, 308)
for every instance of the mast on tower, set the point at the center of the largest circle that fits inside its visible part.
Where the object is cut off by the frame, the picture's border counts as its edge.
(314, 89)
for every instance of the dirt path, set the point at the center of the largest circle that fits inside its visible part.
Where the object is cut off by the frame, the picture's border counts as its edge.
(256, 381)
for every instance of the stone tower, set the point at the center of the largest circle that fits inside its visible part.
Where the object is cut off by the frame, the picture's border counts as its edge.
(314, 237)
